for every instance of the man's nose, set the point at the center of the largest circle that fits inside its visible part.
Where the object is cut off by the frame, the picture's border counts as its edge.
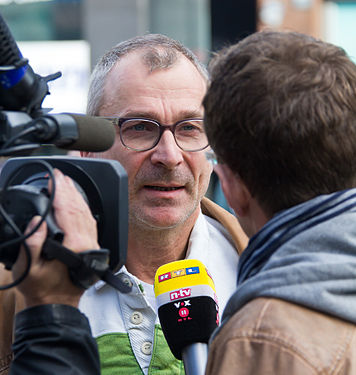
(167, 151)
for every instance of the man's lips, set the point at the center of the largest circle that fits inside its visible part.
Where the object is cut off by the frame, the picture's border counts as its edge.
(163, 188)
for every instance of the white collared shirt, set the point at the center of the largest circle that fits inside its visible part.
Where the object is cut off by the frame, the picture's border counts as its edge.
(135, 313)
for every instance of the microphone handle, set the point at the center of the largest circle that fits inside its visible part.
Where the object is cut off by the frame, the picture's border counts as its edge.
(195, 357)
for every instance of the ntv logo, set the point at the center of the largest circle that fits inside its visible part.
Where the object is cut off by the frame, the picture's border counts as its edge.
(181, 293)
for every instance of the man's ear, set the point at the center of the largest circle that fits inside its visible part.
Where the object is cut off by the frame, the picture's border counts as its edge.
(235, 190)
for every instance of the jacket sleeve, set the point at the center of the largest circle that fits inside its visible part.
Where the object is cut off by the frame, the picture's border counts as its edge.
(249, 355)
(54, 339)
(11, 301)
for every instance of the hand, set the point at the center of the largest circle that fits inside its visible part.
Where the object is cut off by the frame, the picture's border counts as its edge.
(48, 281)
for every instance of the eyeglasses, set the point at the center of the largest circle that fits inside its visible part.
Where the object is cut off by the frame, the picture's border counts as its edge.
(211, 157)
(141, 134)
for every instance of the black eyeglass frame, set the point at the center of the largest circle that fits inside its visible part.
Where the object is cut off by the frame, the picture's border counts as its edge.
(119, 121)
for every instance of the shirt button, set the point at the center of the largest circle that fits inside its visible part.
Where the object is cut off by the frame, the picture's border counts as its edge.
(136, 317)
(146, 348)
(125, 279)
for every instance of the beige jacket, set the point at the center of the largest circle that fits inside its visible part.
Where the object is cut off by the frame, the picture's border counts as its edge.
(11, 301)
(270, 336)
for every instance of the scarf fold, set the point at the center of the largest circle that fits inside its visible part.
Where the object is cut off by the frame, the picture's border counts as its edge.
(305, 255)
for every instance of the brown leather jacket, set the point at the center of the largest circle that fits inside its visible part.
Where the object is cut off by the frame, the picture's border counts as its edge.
(11, 301)
(271, 336)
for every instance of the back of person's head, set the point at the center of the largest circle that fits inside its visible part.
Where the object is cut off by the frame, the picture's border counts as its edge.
(158, 52)
(281, 113)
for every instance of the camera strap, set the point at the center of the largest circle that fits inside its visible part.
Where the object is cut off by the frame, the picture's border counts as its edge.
(85, 267)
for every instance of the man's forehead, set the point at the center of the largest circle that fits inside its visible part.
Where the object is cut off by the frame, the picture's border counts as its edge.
(151, 113)
(133, 65)
(128, 66)
(132, 91)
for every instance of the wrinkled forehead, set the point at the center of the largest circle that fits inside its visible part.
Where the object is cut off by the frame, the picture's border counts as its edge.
(145, 62)
(131, 85)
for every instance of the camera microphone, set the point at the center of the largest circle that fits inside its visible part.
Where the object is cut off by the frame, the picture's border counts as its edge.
(76, 132)
(65, 130)
(22, 120)
(20, 88)
(188, 311)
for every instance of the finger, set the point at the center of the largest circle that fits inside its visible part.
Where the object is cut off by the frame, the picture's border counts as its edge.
(66, 191)
(73, 215)
(34, 244)
(36, 240)
(58, 175)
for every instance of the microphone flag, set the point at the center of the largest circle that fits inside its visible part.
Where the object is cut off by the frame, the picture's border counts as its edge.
(187, 303)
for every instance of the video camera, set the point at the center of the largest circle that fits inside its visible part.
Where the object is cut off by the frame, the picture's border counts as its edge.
(24, 126)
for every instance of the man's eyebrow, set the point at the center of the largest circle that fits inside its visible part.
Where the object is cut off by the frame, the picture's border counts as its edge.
(191, 114)
(156, 116)
(140, 114)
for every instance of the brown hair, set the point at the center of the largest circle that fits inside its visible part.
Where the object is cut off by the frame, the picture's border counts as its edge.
(281, 113)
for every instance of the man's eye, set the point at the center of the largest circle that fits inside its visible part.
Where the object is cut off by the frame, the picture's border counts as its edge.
(139, 127)
(189, 128)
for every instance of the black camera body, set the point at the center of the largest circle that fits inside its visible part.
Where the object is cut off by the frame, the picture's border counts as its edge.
(24, 193)
(102, 183)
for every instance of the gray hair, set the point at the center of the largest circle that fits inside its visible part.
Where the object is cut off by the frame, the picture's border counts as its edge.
(160, 52)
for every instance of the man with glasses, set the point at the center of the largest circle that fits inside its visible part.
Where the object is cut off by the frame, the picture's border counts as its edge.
(152, 88)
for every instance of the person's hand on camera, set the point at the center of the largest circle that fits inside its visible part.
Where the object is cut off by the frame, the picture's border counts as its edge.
(48, 281)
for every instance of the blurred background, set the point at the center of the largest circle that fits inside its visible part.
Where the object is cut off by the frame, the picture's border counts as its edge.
(70, 35)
